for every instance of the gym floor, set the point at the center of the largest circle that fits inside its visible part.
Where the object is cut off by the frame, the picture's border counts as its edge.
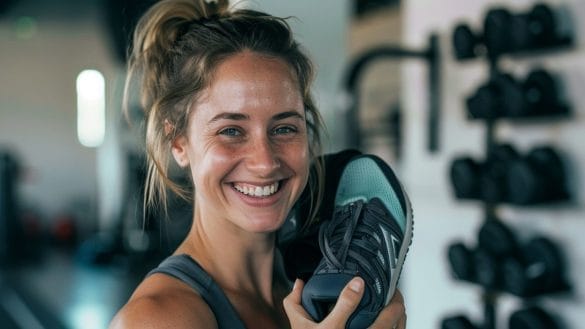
(61, 292)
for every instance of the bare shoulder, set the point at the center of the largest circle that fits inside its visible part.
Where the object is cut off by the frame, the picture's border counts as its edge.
(163, 302)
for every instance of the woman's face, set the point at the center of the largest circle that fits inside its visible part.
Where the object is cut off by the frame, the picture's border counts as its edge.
(247, 144)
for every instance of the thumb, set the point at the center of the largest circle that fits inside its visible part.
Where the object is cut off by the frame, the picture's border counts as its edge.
(347, 302)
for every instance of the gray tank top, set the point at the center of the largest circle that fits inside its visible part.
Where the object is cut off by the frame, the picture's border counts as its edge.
(186, 269)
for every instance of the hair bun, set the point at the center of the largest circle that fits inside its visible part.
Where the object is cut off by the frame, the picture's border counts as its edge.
(215, 7)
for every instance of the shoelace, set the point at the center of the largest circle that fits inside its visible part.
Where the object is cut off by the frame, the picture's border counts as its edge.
(351, 241)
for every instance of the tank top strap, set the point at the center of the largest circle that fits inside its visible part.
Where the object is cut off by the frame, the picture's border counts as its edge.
(186, 269)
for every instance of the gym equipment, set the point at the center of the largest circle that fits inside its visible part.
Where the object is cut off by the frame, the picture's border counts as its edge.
(532, 317)
(538, 269)
(466, 43)
(457, 322)
(494, 177)
(464, 174)
(509, 177)
(503, 96)
(505, 32)
(538, 177)
(497, 238)
(460, 259)
(541, 27)
(496, 31)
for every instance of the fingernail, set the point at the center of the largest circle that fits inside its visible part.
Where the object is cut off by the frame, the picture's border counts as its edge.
(356, 284)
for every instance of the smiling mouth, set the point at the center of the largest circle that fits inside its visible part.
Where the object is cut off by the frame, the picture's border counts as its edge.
(258, 191)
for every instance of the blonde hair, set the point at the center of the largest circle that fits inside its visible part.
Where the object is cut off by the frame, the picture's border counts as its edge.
(177, 45)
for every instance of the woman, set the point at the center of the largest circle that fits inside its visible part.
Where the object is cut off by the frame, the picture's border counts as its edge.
(227, 94)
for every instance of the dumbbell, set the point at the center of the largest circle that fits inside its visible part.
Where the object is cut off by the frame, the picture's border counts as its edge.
(497, 238)
(496, 243)
(537, 177)
(541, 27)
(460, 259)
(496, 31)
(483, 264)
(494, 99)
(457, 322)
(505, 97)
(466, 43)
(486, 180)
(532, 317)
(538, 269)
(494, 178)
(464, 175)
(540, 96)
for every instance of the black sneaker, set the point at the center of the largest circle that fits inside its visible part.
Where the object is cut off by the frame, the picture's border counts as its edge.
(368, 236)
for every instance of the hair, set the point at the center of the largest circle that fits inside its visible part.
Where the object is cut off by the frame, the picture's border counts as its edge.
(177, 46)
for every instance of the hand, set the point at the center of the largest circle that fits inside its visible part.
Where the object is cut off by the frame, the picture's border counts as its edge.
(391, 317)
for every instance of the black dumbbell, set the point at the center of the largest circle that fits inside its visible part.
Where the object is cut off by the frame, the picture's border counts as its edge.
(457, 322)
(465, 178)
(488, 269)
(532, 317)
(542, 95)
(496, 32)
(538, 269)
(534, 30)
(497, 238)
(538, 177)
(494, 178)
(460, 259)
(466, 43)
(494, 99)
(547, 28)
(496, 242)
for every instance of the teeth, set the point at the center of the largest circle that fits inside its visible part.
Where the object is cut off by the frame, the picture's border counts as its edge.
(258, 191)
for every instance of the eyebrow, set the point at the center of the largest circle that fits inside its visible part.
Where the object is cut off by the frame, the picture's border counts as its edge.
(240, 116)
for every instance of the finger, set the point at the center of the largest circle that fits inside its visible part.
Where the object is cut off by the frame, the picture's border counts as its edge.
(391, 314)
(347, 302)
(293, 308)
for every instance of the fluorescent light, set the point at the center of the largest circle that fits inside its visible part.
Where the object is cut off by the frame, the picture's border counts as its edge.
(91, 108)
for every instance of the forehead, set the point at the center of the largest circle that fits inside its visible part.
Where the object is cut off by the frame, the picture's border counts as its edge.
(248, 65)
(251, 80)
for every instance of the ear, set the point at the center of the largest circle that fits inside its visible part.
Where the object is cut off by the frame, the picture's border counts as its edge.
(179, 147)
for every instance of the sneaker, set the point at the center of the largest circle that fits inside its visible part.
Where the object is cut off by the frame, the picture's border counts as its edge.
(368, 236)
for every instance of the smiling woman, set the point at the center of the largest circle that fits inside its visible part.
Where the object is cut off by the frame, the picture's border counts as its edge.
(227, 96)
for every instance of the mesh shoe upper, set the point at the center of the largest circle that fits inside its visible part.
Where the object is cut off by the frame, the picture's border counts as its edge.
(368, 236)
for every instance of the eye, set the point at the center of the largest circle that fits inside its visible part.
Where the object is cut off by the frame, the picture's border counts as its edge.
(232, 132)
(283, 130)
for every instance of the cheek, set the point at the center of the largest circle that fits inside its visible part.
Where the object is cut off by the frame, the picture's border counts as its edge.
(209, 163)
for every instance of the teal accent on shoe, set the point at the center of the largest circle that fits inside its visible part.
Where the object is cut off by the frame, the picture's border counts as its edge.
(363, 179)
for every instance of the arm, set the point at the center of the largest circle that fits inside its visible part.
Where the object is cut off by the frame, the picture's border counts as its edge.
(160, 304)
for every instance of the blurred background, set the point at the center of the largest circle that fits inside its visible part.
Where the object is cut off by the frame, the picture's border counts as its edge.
(478, 106)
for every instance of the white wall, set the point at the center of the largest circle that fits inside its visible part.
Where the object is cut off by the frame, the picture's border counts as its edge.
(430, 292)
(38, 105)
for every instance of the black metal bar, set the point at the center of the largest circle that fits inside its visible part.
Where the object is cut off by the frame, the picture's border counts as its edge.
(489, 310)
(434, 94)
(357, 67)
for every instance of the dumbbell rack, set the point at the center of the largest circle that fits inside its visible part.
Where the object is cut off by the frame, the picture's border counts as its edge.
(493, 51)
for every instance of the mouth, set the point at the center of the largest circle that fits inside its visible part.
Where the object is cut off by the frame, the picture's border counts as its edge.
(257, 190)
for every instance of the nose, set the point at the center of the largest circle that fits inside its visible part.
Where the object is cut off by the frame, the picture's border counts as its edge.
(263, 158)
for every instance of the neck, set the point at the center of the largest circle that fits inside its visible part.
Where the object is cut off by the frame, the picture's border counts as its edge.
(242, 263)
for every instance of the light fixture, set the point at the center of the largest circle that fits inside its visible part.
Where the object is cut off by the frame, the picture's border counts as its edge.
(91, 108)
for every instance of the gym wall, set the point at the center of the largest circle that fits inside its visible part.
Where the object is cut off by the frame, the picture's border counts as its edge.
(430, 291)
